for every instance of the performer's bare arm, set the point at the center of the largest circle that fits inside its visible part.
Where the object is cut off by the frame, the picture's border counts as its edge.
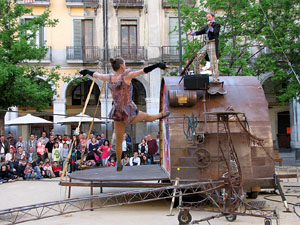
(104, 77)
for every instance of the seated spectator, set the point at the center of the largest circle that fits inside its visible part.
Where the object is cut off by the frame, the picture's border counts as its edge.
(41, 167)
(35, 172)
(125, 161)
(28, 172)
(48, 170)
(5, 174)
(32, 157)
(56, 169)
(112, 162)
(21, 168)
(19, 156)
(135, 160)
(91, 163)
(105, 151)
(145, 160)
(143, 148)
(10, 158)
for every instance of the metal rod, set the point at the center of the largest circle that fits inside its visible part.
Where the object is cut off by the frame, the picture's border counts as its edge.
(180, 44)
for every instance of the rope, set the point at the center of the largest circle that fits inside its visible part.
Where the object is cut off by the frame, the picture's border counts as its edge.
(92, 123)
(192, 125)
(77, 129)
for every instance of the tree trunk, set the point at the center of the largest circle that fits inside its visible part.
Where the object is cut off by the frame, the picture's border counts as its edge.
(2, 115)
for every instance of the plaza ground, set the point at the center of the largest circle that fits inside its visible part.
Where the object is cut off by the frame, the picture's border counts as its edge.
(22, 193)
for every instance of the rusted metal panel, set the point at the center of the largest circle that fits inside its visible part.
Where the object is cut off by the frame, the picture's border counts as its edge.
(244, 94)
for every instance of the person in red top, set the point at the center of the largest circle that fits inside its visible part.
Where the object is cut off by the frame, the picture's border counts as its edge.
(56, 169)
(152, 147)
(105, 150)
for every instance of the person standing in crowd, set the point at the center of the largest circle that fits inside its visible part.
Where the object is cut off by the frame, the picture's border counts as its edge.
(143, 147)
(152, 147)
(22, 143)
(49, 147)
(43, 138)
(11, 140)
(211, 31)
(32, 142)
(56, 152)
(105, 152)
(124, 110)
(102, 139)
(4, 148)
(64, 154)
(41, 150)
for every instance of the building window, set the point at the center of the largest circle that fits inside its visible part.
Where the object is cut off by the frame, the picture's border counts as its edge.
(80, 93)
(82, 36)
(129, 40)
(39, 39)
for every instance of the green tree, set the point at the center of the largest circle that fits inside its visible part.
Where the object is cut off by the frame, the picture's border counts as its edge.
(23, 84)
(248, 29)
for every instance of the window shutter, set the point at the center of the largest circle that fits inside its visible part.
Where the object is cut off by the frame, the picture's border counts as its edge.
(77, 35)
(41, 41)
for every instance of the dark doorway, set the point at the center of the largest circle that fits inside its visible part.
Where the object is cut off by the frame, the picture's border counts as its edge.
(283, 124)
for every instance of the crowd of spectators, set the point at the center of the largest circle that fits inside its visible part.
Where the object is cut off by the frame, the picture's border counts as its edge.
(39, 158)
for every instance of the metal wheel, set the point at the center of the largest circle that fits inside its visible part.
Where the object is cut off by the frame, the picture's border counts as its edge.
(268, 222)
(201, 158)
(252, 194)
(231, 217)
(184, 219)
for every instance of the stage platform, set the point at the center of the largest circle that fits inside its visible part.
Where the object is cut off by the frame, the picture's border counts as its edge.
(129, 173)
(149, 176)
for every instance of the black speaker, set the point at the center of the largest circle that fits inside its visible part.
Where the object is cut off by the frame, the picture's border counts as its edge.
(196, 82)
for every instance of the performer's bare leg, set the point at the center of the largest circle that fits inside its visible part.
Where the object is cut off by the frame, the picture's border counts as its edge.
(142, 116)
(119, 131)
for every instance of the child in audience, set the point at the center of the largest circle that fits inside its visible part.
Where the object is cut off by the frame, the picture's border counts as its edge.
(56, 169)
(56, 152)
(10, 158)
(125, 161)
(5, 175)
(41, 167)
(112, 162)
(48, 170)
(29, 172)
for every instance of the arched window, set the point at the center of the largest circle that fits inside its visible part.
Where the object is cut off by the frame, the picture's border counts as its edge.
(80, 92)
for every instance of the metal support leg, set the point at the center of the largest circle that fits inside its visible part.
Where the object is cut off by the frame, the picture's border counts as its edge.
(92, 193)
(173, 198)
(69, 194)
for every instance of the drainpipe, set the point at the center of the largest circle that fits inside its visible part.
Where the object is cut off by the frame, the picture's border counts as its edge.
(179, 31)
(105, 42)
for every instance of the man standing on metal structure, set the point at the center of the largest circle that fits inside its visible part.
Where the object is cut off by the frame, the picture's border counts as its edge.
(211, 31)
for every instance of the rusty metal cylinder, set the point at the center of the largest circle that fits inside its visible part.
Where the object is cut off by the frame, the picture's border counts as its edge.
(183, 98)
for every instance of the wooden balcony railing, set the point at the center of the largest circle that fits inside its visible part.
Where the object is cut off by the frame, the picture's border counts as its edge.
(167, 4)
(170, 54)
(83, 3)
(35, 3)
(133, 54)
(84, 54)
(128, 3)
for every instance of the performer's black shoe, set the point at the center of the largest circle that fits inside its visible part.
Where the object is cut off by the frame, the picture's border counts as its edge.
(119, 167)
(164, 114)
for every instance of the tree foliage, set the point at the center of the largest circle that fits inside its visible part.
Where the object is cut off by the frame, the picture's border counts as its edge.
(22, 83)
(256, 37)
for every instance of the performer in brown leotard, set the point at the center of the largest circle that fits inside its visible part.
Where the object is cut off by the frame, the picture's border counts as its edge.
(124, 110)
